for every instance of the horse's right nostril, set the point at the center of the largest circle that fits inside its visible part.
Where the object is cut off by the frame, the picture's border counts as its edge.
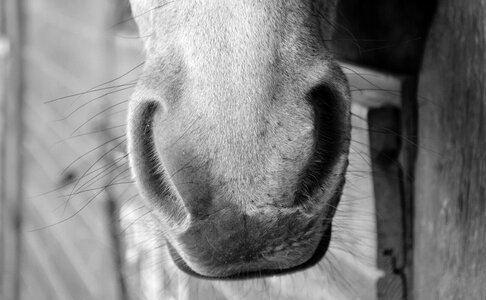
(146, 166)
(330, 138)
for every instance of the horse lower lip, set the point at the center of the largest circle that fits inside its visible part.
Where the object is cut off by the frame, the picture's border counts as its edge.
(313, 260)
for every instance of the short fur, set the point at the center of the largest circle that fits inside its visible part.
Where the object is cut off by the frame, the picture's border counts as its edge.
(239, 131)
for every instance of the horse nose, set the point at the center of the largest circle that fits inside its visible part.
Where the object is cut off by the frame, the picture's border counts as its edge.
(252, 157)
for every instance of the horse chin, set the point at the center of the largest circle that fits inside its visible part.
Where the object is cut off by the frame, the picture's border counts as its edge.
(314, 259)
(252, 270)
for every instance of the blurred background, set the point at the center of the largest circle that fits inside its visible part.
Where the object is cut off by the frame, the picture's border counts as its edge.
(64, 83)
(70, 217)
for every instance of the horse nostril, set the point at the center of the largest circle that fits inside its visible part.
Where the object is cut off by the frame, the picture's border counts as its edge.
(331, 131)
(146, 166)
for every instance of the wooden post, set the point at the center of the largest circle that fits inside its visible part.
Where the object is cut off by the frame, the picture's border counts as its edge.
(385, 147)
(450, 186)
(12, 158)
(4, 52)
(391, 103)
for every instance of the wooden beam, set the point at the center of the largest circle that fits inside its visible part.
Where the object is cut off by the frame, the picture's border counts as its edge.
(450, 186)
(12, 158)
(391, 103)
(385, 147)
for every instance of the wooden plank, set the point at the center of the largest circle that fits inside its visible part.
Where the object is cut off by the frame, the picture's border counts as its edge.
(4, 53)
(392, 146)
(385, 144)
(450, 185)
(407, 160)
(12, 164)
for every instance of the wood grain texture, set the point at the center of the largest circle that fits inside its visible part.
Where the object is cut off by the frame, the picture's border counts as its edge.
(12, 193)
(450, 228)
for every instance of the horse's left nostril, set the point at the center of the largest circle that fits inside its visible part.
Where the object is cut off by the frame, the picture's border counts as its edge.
(331, 132)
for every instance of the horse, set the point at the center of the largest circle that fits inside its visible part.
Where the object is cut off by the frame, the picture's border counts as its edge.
(239, 132)
(239, 136)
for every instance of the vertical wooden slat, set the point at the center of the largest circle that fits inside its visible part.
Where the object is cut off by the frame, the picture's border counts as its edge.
(408, 159)
(391, 100)
(385, 143)
(4, 52)
(450, 186)
(12, 166)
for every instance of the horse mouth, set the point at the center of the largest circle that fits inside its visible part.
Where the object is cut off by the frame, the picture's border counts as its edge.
(316, 257)
(318, 254)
